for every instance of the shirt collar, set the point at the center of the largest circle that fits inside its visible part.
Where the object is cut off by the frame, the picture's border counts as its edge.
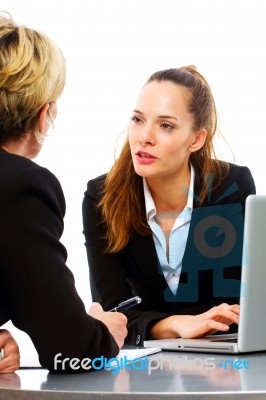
(149, 203)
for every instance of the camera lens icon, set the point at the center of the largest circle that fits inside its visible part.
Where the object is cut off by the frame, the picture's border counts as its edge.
(214, 236)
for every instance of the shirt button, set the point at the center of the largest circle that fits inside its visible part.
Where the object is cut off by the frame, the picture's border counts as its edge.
(138, 339)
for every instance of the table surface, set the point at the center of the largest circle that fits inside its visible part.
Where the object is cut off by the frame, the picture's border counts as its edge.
(167, 374)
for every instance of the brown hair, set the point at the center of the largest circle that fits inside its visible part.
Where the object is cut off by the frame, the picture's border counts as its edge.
(121, 204)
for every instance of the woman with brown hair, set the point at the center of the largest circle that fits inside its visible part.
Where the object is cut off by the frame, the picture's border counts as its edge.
(166, 223)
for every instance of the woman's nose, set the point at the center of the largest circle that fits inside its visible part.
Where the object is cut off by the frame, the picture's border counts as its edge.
(147, 136)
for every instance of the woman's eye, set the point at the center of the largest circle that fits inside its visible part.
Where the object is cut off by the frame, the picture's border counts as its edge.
(135, 119)
(166, 126)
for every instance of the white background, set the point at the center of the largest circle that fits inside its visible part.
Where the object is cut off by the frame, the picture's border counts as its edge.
(111, 47)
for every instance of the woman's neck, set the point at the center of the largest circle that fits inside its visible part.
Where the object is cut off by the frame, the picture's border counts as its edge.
(170, 193)
(27, 146)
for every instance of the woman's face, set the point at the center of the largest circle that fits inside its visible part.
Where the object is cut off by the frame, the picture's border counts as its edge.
(161, 135)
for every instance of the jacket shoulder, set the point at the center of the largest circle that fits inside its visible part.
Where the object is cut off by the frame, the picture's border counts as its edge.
(235, 186)
(240, 174)
(239, 169)
(95, 186)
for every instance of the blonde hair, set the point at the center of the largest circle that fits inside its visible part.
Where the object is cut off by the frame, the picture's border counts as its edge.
(122, 202)
(32, 73)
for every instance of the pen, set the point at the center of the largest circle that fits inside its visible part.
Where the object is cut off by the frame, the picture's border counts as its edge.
(127, 304)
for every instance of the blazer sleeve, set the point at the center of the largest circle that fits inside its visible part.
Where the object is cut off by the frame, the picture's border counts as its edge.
(39, 289)
(109, 285)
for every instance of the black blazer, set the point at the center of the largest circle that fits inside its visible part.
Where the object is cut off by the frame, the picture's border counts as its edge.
(210, 276)
(37, 289)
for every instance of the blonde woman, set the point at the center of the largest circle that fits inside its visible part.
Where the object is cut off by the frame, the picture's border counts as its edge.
(166, 222)
(37, 289)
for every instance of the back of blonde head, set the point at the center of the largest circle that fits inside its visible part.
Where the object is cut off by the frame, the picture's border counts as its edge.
(32, 73)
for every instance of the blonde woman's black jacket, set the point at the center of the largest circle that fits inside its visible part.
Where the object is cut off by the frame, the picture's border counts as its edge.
(210, 267)
(37, 289)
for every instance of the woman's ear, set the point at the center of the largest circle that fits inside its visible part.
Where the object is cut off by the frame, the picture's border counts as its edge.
(42, 118)
(198, 141)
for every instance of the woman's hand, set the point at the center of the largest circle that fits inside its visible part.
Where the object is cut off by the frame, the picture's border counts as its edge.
(218, 318)
(10, 352)
(116, 322)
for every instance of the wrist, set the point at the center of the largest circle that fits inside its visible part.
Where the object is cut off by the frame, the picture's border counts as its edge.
(166, 328)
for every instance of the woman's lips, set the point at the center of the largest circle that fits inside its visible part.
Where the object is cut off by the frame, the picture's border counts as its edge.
(145, 158)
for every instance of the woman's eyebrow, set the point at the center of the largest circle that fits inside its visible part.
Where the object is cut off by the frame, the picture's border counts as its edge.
(138, 112)
(159, 116)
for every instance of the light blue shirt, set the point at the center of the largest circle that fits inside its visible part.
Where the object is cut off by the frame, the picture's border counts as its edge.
(170, 256)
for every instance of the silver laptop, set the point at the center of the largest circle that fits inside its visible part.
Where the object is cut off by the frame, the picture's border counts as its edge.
(251, 335)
